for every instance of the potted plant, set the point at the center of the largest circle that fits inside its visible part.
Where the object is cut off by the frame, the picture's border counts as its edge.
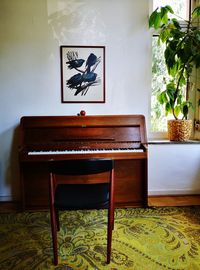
(182, 55)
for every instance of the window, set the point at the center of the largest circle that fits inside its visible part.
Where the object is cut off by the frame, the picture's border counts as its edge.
(180, 7)
(159, 72)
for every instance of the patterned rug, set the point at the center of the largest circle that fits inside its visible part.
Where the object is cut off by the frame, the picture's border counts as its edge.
(143, 239)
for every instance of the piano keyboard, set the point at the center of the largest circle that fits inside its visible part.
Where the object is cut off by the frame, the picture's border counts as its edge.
(90, 151)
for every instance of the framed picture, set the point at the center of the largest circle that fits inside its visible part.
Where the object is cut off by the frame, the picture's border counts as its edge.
(82, 74)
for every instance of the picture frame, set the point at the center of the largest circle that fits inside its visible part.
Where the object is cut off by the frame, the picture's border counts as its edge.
(82, 74)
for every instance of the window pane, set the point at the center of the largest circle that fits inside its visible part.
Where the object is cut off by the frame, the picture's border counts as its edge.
(180, 7)
(159, 71)
(159, 79)
(159, 76)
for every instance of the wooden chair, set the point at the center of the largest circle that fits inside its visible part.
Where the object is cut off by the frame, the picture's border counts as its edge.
(74, 195)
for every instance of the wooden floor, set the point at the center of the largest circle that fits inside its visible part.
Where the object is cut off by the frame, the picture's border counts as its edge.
(186, 200)
(174, 200)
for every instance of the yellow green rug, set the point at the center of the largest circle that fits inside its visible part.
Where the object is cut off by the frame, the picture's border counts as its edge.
(143, 239)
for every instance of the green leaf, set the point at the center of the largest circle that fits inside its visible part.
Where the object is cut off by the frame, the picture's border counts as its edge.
(169, 58)
(168, 107)
(170, 89)
(188, 45)
(179, 99)
(163, 15)
(162, 97)
(176, 23)
(157, 21)
(181, 54)
(169, 9)
(164, 34)
(163, 11)
(153, 18)
(177, 111)
(196, 12)
(185, 110)
(165, 19)
(182, 82)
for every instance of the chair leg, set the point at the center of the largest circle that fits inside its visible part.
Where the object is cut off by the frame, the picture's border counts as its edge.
(109, 235)
(113, 218)
(111, 210)
(54, 235)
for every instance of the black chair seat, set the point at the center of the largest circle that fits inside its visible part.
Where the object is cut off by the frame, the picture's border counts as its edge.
(82, 196)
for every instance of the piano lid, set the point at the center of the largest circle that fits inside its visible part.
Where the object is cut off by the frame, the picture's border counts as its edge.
(75, 131)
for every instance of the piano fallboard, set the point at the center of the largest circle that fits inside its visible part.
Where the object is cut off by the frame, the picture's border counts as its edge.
(120, 137)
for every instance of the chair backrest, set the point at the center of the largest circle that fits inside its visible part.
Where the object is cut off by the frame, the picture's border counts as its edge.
(82, 196)
(80, 166)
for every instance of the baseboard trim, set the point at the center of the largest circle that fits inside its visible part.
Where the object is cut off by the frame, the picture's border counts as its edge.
(6, 199)
(10, 206)
(177, 192)
(153, 200)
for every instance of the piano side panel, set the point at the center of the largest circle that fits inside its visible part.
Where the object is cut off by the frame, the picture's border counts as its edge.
(35, 191)
(130, 184)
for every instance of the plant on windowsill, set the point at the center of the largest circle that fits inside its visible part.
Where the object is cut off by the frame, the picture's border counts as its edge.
(182, 55)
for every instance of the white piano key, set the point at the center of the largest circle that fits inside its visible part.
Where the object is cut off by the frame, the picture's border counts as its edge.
(90, 151)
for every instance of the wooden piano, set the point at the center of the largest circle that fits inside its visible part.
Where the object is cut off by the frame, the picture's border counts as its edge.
(121, 137)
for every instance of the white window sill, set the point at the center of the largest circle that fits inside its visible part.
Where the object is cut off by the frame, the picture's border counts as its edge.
(173, 142)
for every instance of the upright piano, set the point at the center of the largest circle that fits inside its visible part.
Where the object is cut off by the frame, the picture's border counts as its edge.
(120, 137)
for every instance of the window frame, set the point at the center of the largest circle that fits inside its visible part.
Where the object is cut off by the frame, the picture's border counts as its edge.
(162, 135)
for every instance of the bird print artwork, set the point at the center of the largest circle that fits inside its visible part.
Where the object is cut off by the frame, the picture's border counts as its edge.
(84, 76)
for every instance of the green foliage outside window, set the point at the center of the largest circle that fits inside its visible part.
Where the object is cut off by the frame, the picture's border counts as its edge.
(159, 76)
(159, 69)
(170, 73)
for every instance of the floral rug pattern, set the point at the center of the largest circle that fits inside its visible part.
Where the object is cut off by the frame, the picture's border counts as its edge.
(143, 239)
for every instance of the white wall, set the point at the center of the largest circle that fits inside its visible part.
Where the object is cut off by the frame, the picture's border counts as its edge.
(30, 35)
(174, 169)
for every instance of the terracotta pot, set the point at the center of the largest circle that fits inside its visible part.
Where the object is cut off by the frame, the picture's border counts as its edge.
(179, 130)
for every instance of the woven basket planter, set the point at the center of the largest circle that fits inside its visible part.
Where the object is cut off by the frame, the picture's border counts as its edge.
(179, 130)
